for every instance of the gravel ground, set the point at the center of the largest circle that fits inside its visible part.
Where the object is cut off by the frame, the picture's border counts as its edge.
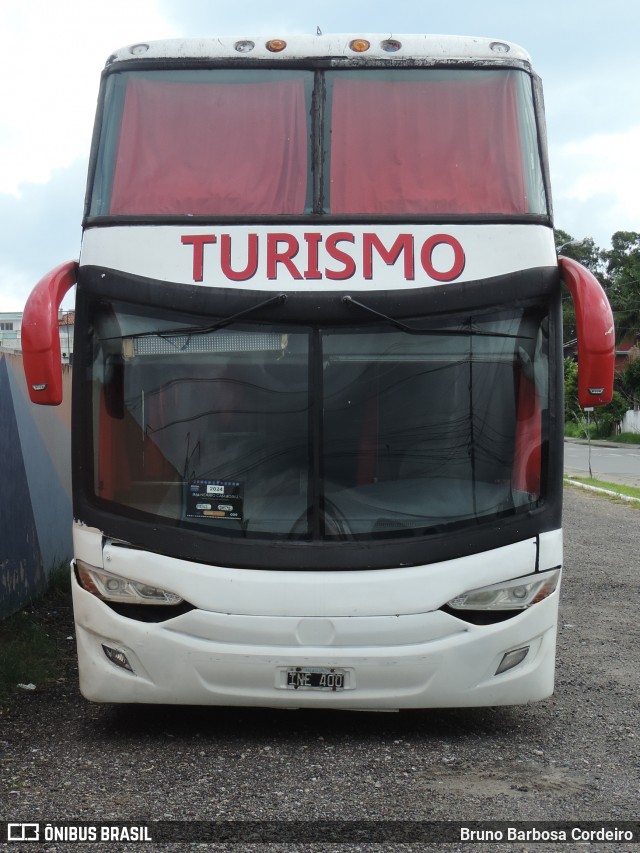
(573, 757)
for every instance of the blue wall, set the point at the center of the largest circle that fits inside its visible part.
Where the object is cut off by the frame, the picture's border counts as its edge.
(35, 486)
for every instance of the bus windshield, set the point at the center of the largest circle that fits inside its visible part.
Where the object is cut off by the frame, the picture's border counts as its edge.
(246, 142)
(307, 433)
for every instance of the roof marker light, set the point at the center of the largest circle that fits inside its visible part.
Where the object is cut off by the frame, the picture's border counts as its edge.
(276, 45)
(244, 46)
(138, 49)
(499, 47)
(359, 45)
(390, 45)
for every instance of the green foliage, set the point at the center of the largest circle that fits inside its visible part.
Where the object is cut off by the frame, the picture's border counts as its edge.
(579, 428)
(623, 282)
(630, 380)
(617, 270)
(584, 251)
(608, 418)
(602, 422)
(572, 410)
(627, 438)
(590, 256)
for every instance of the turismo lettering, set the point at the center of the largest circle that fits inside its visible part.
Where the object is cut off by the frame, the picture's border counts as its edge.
(338, 256)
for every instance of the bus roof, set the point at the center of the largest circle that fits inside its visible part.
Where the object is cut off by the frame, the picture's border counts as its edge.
(426, 49)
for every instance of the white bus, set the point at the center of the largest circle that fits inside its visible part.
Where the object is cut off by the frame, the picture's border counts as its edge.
(317, 392)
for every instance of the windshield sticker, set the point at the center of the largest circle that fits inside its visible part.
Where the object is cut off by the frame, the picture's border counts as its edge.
(214, 499)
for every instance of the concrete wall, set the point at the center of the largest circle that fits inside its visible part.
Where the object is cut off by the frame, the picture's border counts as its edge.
(35, 486)
(631, 422)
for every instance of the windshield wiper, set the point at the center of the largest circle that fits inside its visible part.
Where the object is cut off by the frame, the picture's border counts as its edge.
(349, 300)
(279, 299)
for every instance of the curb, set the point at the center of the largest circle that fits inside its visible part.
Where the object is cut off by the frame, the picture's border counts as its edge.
(600, 442)
(601, 491)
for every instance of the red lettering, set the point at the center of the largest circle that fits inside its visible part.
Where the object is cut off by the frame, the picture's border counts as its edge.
(426, 255)
(198, 242)
(313, 240)
(282, 248)
(404, 242)
(339, 255)
(275, 257)
(252, 258)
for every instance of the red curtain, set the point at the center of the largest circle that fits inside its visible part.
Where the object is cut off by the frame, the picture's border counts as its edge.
(126, 454)
(527, 453)
(204, 148)
(427, 146)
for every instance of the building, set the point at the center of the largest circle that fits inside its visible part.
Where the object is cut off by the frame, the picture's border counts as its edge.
(626, 352)
(10, 325)
(66, 324)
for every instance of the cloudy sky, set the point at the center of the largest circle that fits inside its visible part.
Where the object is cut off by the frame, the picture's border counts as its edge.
(53, 51)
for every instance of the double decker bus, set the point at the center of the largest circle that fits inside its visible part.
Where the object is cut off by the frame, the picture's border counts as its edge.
(317, 392)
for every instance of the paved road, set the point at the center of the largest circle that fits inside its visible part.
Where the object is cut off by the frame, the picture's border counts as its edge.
(619, 464)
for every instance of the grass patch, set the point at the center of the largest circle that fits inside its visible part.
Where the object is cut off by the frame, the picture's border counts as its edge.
(572, 429)
(629, 491)
(34, 648)
(627, 438)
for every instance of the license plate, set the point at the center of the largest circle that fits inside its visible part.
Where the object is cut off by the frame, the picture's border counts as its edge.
(316, 678)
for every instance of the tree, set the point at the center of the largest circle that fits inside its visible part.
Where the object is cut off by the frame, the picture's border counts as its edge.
(630, 381)
(608, 418)
(623, 282)
(590, 256)
(584, 251)
(572, 409)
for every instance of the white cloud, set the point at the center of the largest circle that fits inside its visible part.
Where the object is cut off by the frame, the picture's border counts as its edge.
(15, 285)
(601, 174)
(40, 229)
(49, 75)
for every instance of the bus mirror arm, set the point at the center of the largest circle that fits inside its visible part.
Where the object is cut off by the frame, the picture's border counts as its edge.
(595, 333)
(40, 335)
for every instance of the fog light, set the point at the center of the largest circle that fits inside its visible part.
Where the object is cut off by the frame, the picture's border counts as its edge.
(118, 657)
(511, 659)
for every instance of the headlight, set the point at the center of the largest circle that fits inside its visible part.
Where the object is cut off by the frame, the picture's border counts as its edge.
(518, 594)
(110, 587)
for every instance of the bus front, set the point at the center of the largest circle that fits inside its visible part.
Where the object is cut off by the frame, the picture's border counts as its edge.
(317, 415)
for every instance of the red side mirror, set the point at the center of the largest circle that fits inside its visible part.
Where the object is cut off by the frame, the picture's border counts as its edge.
(596, 334)
(40, 335)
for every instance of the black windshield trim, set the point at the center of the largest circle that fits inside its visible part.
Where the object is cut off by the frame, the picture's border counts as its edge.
(163, 536)
(325, 307)
(187, 331)
(469, 332)
(327, 555)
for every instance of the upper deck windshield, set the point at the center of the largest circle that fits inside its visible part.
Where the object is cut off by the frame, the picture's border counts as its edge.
(247, 142)
(310, 434)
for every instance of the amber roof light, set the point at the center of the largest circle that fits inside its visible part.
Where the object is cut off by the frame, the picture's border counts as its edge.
(359, 45)
(276, 45)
